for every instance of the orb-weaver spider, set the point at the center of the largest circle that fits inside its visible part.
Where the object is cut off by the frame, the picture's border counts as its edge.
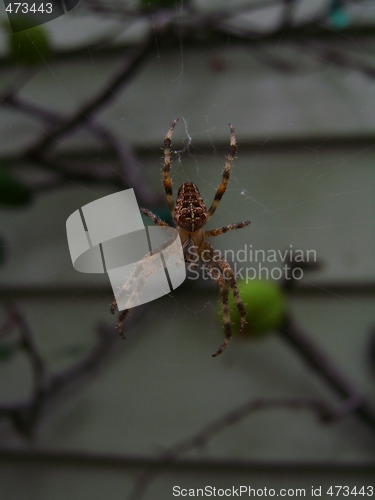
(190, 215)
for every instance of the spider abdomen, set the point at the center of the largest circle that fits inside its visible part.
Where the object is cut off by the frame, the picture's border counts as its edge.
(190, 210)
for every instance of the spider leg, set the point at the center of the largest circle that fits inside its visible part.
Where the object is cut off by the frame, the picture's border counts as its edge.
(226, 174)
(113, 306)
(120, 322)
(167, 167)
(229, 274)
(153, 217)
(219, 279)
(121, 318)
(133, 287)
(225, 229)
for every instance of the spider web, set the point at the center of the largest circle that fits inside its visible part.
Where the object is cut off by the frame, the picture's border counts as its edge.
(303, 176)
(296, 177)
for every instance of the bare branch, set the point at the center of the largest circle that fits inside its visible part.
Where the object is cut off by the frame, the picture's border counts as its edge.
(130, 175)
(315, 358)
(129, 69)
(25, 415)
(211, 430)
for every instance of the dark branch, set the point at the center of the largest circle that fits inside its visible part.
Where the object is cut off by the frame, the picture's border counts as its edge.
(211, 430)
(25, 415)
(130, 68)
(354, 401)
(130, 175)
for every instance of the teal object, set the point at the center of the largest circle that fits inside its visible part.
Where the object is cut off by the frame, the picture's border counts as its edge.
(163, 213)
(338, 17)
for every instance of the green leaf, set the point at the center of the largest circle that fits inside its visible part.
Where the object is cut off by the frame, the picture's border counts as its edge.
(12, 192)
(7, 351)
(162, 4)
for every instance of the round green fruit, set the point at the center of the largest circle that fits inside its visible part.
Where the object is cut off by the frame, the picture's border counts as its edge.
(30, 47)
(265, 307)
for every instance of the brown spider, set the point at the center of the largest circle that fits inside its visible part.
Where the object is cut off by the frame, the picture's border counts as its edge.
(190, 216)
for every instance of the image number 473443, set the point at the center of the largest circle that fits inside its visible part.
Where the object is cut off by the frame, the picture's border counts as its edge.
(31, 13)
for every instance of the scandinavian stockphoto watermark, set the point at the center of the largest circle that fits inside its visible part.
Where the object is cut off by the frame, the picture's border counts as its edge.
(144, 263)
(108, 236)
(249, 263)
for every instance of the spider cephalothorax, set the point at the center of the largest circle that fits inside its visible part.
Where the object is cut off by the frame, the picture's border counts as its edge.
(190, 216)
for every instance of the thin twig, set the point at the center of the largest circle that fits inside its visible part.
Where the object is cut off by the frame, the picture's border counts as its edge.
(130, 175)
(209, 431)
(8, 324)
(354, 401)
(25, 415)
(133, 63)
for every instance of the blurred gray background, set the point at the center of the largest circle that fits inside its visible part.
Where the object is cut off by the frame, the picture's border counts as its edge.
(296, 79)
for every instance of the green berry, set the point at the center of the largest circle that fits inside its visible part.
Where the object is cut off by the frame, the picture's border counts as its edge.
(30, 47)
(265, 307)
